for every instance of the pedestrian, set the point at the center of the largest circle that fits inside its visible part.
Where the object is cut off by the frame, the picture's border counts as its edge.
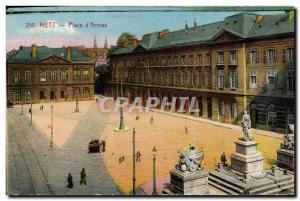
(29, 110)
(70, 181)
(83, 177)
(40, 107)
(103, 145)
(186, 130)
(96, 100)
(151, 120)
(137, 117)
(138, 156)
(223, 159)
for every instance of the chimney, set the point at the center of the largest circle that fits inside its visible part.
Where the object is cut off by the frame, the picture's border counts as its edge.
(69, 53)
(163, 33)
(259, 18)
(186, 28)
(33, 51)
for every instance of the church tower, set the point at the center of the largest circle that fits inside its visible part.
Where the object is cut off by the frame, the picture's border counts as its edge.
(95, 42)
(105, 43)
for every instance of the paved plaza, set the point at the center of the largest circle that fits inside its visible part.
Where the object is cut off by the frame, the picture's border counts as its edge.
(33, 169)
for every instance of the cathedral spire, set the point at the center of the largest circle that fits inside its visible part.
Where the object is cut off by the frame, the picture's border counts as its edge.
(95, 42)
(105, 43)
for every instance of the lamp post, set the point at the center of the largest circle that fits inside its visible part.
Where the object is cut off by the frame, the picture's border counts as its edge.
(29, 93)
(133, 162)
(51, 137)
(77, 101)
(121, 126)
(154, 150)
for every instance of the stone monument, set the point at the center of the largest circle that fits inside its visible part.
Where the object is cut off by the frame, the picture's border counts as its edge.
(188, 177)
(286, 153)
(246, 174)
(246, 159)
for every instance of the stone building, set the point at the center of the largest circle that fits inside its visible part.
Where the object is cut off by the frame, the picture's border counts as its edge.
(40, 73)
(245, 62)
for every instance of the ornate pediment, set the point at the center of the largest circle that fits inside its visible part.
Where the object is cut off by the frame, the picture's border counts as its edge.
(54, 60)
(225, 36)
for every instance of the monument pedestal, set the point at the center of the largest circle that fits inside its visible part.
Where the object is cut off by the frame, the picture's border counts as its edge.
(246, 160)
(189, 183)
(286, 159)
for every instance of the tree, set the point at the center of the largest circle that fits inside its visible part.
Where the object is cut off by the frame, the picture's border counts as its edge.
(125, 37)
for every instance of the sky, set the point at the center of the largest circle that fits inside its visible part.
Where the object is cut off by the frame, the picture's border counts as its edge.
(26, 29)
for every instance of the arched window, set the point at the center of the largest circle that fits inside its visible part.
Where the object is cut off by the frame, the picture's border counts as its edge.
(28, 94)
(221, 107)
(234, 112)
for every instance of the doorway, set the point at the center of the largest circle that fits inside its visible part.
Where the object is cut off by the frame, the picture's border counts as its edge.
(209, 108)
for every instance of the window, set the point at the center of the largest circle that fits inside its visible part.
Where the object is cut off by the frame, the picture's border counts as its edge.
(63, 75)
(220, 75)
(221, 108)
(176, 60)
(53, 75)
(233, 56)
(271, 56)
(199, 59)
(76, 75)
(221, 57)
(208, 58)
(271, 75)
(169, 60)
(17, 95)
(27, 76)
(16, 76)
(182, 60)
(253, 79)
(234, 112)
(253, 56)
(191, 59)
(43, 75)
(290, 80)
(151, 61)
(85, 75)
(233, 78)
(290, 54)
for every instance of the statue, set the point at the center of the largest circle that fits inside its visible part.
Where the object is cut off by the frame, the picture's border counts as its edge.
(246, 125)
(223, 159)
(190, 160)
(288, 139)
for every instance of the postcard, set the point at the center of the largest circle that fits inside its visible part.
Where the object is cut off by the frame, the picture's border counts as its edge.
(150, 101)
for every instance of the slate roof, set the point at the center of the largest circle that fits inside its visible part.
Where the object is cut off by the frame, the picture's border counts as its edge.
(243, 25)
(24, 55)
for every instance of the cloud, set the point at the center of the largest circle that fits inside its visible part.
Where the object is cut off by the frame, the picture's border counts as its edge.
(50, 27)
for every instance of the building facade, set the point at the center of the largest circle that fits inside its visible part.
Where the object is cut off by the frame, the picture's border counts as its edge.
(245, 62)
(40, 73)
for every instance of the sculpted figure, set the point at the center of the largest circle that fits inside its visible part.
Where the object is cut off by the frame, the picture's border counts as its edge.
(190, 160)
(246, 125)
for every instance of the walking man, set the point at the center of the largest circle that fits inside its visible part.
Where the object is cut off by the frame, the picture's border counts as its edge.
(103, 145)
(138, 156)
(70, 181)
(83, 177)
(151, 120)
(186, 130)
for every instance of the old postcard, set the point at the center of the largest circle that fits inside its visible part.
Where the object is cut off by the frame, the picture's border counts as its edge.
(150, 101)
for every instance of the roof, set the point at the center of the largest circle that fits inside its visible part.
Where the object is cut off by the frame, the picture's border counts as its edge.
(243, 25)
(24, 55)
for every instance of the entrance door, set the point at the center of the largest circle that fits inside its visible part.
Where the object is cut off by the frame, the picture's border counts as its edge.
(42, 95)
(62, 94)
(51, 95)
(209, 108)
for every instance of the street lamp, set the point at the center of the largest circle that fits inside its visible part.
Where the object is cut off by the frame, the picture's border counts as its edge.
(154, 150)
(133, 162)
(51, 137)
(29, 94)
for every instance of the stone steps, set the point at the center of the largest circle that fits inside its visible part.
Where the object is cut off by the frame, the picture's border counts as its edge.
(224, 185)
(222, 188)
